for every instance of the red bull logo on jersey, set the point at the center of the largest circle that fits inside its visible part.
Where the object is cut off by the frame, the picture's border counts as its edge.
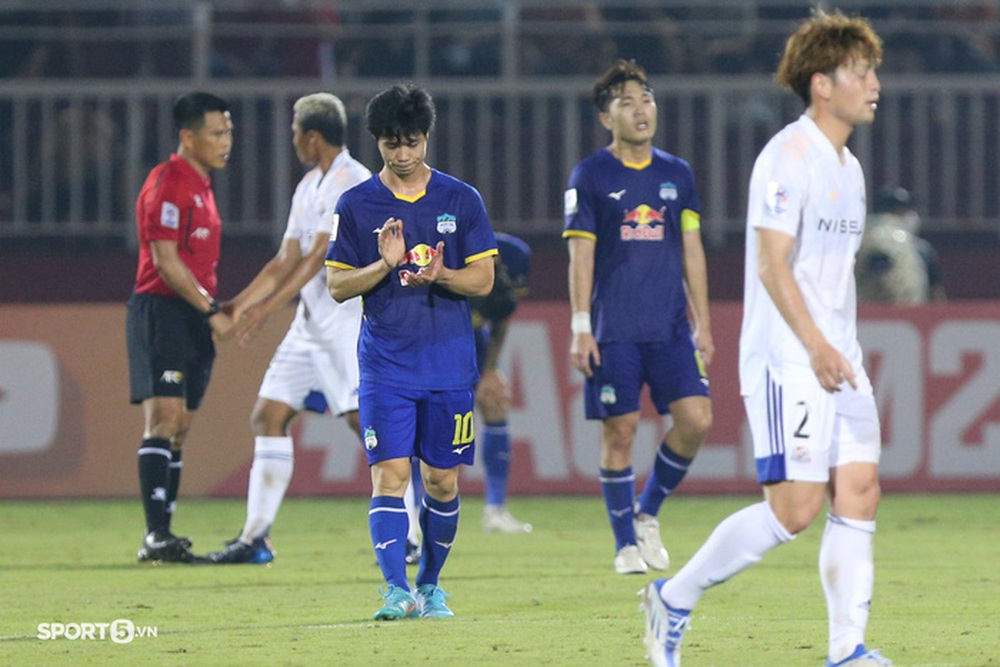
(420, 255)
(639, 224)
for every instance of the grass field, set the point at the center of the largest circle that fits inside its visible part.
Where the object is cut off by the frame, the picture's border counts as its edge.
(548, 598)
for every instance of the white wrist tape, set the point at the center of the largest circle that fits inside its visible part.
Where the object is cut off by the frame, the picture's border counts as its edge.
(580, 324)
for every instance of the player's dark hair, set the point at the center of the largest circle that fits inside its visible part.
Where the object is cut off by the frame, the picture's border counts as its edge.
(610, 85)
(500, 303)
(399, 112)
(190, 109)
(324, 113)
(823, 43)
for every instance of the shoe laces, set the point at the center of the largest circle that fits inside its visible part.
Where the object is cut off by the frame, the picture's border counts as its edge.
(676, 625)
(434, 594)
(876, 656)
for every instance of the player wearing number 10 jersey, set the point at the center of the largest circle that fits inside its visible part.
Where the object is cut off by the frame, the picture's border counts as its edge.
(414, 243)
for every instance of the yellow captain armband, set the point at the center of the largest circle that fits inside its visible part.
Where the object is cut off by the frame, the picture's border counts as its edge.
(690, 221)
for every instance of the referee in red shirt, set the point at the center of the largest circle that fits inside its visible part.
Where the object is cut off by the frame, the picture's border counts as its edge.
(173, 316)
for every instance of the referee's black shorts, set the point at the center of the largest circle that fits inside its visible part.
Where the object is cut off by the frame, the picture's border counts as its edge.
(170, 349)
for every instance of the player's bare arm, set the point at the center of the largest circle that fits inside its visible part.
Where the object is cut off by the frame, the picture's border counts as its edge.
(344, 284)
(829, 365)
(493, 393)
(583, 350)
(249, 309)
(696, 286)
(176, 273)
(295, 270)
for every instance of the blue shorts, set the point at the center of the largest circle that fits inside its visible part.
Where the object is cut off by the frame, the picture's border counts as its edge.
(435, 426)
(673, 370)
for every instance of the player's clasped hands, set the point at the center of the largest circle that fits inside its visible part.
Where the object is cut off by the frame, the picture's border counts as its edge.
(222, 324)
(430, 273)
(391, 244)
(250, 322)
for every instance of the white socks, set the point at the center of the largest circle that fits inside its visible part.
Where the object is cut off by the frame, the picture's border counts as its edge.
(273, 462)
(847, 571)
(845, 564)
(412, 504)
(735, 544)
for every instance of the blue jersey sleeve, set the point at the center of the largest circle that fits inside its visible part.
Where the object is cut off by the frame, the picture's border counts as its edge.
(343, 249)
(580, 213)
(478, 241)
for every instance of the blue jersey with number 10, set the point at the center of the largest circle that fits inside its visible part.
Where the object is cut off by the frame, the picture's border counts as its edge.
(636, 214)
(414, 337)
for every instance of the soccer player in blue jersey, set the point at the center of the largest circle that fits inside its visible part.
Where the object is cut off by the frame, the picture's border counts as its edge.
(490, 317)
(636, 265)
(415, 243)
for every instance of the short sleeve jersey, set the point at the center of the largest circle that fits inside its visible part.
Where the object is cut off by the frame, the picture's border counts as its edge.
(176, 203)
(417, 337)
(313, 205)
(636, 214)
(800, 186)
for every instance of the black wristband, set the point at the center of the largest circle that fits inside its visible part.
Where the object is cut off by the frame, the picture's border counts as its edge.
(213, 308)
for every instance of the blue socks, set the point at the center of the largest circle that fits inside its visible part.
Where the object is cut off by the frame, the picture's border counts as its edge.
(388, 522)
(619, 495)
(496, 462)
(439, 523)
(669, 469)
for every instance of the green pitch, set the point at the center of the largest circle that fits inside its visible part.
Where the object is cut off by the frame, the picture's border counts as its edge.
(549, 598)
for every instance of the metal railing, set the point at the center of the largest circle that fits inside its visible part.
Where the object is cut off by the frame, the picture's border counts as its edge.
(73, 154)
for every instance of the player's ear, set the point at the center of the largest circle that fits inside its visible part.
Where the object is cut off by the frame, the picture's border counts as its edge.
(605, 119)
(821, 85)
(186, 137)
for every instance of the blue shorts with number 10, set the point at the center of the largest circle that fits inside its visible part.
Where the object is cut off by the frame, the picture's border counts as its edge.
(435, 426)
(672, 369)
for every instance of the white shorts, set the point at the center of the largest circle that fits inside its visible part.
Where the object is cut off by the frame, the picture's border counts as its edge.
(301, 364)
(800, 431)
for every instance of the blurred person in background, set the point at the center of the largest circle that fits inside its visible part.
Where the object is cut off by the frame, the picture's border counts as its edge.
(894, 263)
(172, 315)
(320, 348)
(490, 317)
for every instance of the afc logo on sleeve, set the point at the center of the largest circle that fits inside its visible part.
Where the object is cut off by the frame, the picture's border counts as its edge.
(335, 227)
(776, 198)
(170, 216)
(570, 204)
